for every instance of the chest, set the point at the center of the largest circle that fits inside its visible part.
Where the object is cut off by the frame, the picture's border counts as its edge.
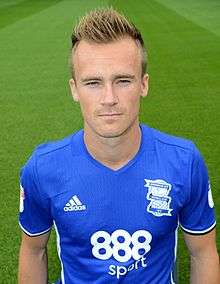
(89, 203)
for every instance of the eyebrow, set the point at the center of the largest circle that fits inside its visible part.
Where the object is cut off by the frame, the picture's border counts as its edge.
(121, 76)
(99, 78)
(93, 78)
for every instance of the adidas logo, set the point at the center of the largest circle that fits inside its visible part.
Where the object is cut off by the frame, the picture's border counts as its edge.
(74, 204)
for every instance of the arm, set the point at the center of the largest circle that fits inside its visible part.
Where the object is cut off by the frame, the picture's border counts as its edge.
(204, 258)
(33, 259)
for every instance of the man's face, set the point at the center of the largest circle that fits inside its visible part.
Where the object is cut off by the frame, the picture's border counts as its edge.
(108, 85)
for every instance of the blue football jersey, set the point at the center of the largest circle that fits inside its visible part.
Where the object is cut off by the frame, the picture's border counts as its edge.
(116, 226)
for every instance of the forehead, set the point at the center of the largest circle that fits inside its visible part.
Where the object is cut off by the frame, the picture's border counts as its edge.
(118, 56)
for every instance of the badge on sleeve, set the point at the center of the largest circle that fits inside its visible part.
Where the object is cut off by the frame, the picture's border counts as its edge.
(210, 199)
(22, 197)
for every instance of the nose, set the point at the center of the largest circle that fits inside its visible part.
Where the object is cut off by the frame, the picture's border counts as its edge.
(109, 96)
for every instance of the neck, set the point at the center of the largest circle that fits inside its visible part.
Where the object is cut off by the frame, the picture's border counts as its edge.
(114, 152)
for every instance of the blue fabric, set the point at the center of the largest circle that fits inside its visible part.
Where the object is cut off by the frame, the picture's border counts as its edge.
(117, 226)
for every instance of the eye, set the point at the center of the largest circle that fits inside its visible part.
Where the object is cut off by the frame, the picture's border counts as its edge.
(124, 81)
(92, 83)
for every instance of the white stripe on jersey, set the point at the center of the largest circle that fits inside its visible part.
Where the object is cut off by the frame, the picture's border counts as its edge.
(59, 253)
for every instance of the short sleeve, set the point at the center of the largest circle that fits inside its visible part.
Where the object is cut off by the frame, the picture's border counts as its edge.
(197, 216)
(34, 217)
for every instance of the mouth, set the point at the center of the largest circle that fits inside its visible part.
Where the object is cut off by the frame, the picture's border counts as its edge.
(110, 114)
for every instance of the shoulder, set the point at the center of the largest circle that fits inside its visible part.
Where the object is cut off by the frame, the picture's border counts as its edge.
(55, 147)
(168, 141)
(172, 149)
(52, 146)
(52, 151)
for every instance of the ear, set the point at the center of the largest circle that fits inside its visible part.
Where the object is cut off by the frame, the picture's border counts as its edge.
(73, 90)
(144, 85)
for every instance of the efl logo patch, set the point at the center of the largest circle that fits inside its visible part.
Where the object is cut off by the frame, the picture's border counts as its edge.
(210, 199)
(158, 195)
(22, 197)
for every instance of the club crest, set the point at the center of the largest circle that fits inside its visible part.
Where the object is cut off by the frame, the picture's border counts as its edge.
(158, 195)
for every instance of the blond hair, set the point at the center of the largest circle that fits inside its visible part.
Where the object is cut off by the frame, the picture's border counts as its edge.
(106, 25)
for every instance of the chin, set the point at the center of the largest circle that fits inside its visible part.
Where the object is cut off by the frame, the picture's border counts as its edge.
(112, 130)
(111, 133)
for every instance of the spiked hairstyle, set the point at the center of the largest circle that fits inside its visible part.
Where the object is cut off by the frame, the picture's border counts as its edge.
(105, 25)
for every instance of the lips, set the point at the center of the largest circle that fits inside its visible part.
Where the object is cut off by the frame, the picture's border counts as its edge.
(110, 114)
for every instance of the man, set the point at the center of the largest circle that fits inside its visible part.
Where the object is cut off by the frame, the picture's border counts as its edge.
(116, 190)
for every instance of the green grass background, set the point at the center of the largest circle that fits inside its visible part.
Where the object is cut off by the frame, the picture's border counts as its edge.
(183, 44)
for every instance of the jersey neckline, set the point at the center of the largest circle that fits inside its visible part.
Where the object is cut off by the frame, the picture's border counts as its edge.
(146, 143)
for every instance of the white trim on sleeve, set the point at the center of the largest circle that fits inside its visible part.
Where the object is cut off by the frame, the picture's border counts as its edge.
(35, 234)
(199, 232)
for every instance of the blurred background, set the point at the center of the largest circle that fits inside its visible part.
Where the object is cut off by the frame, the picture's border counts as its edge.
(182, 38)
